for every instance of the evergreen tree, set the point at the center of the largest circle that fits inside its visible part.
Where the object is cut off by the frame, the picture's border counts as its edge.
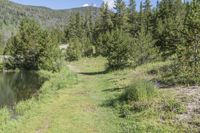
(26, 47)
(106, 23)
(120, 17)
(147, 7)
(88, 38)
(2, 43)
(132, 8)
(144, 50)
(132, 18)
(75, 50)
(88, 26)
(49, 53)
(118, 49)
(169, 23)
(79, 25)
(32, 48)
(147, 15)
(70, 29)
(141, 15)
(75, 27)
(188, 52)
(1, 39)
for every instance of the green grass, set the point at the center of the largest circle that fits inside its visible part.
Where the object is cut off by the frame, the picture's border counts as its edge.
(87, 101)
(140, 90)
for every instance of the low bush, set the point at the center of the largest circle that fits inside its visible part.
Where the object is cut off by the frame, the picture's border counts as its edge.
(1, 66)
(140, 90)
(74, 51)
(4, 116)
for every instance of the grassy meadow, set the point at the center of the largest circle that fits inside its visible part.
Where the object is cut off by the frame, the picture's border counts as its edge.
(85, 98)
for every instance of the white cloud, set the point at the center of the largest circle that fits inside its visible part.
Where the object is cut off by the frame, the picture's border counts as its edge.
(85, 5)
(110, 3)
(94, 5)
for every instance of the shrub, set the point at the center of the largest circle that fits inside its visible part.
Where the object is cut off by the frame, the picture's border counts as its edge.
(140, 90)
(88, 48)
(1, 66)
(74, 51)
(4, 115)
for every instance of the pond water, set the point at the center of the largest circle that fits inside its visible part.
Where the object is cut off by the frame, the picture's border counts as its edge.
(18, 86)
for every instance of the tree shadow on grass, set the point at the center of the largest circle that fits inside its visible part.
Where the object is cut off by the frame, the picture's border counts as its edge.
(115, 99)
(95, 73)
(111, 102)
(116, 103)
(112, 89)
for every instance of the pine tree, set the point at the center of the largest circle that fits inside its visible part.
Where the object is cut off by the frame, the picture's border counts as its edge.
(27, 45)
(147, 15)
(75, 50)
(2, 43)
(88, 26)
(132, 18)
(188, 53)
(147, 7)
(70, 29)
(169, 23)
(75, 27)
(1, 39)
(49, 52)
(144, 50)
(118, 49)
(79, 25)
(132, 11)
(120, 18)
(32, 48)
(141, 16)
(106, 23)
(88, 38)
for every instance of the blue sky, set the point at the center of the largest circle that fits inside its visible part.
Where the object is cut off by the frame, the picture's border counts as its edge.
(66, 4)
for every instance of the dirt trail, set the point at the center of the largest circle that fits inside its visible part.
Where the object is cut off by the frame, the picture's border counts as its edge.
(191, 97)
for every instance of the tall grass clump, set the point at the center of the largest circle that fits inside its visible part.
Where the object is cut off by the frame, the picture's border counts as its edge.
(139, 90)
(137, 97)
(4, 116)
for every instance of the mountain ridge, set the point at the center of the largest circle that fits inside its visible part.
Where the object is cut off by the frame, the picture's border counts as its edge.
(11, 13)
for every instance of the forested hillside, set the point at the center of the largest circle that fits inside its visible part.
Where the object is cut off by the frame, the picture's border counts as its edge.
(11, 14)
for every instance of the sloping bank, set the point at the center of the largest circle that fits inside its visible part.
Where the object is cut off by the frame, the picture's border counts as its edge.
(33, 107)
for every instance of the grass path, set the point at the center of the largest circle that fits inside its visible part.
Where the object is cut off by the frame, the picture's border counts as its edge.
(81, 110)
(77, 109)
(82, 107)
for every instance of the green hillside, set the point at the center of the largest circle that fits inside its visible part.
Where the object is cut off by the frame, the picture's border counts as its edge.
(11, 13)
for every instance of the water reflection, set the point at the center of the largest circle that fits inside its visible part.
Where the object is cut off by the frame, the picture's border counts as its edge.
(17, 86)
